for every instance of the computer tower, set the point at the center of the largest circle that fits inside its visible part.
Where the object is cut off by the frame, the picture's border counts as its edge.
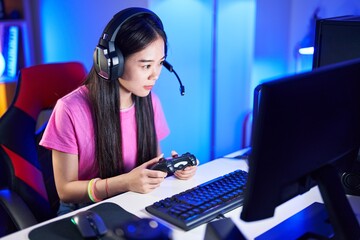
(337, 39)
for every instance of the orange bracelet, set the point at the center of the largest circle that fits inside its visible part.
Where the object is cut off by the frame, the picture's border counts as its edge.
(93, 195)
(106, 188)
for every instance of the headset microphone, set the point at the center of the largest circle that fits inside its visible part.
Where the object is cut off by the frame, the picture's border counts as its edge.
(170, 68)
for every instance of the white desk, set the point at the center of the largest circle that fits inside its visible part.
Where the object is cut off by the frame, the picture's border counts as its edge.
(135, 203)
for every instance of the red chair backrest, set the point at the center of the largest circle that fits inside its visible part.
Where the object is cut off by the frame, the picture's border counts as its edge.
(26, 167)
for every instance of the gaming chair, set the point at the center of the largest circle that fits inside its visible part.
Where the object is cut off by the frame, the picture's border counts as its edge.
(27, 189)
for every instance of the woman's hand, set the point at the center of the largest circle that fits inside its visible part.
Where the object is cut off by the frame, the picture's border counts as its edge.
(187, 172)
(143, 180)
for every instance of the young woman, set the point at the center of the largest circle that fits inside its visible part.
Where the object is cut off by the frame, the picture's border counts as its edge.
(105, 134)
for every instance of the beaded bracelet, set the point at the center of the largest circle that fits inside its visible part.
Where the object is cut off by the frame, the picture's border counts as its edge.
(91, 190)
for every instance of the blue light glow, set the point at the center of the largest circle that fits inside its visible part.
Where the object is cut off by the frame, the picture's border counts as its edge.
(13, 51)
(2, 64)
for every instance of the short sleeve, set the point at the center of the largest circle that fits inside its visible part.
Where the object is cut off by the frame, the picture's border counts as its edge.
(59, 133)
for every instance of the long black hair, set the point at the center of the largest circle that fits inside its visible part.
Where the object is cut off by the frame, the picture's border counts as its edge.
(134, 35)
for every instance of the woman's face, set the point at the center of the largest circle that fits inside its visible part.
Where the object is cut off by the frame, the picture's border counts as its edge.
(142, 69)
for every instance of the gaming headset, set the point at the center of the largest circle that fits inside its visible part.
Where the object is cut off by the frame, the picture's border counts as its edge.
(108, 59)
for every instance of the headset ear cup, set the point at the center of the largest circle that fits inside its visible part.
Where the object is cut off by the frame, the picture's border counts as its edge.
(96, 60)
(117, 69)
(109, 66)
(102, 63)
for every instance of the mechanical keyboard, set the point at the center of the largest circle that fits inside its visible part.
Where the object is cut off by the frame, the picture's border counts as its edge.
(202, 203)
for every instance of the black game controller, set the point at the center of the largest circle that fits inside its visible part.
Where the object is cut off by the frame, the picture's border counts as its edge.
(170, 165)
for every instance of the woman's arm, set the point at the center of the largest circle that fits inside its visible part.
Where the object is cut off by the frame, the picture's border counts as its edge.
(69, 188)
(72, 190)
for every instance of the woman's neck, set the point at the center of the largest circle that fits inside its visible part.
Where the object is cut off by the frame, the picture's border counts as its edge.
(126, 99)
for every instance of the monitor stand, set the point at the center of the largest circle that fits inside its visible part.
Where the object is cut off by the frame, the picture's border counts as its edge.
(334, 219)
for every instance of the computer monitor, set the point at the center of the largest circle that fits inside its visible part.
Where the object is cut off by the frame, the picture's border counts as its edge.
(306, 129)
(337, 39)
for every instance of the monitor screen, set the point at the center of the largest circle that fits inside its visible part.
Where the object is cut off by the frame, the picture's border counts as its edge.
(336, 39)
(304, 123)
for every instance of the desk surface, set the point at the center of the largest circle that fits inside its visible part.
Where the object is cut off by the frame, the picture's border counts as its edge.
(136, 203)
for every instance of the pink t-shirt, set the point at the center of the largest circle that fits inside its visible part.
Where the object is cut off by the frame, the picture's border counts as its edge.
(70, 130)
